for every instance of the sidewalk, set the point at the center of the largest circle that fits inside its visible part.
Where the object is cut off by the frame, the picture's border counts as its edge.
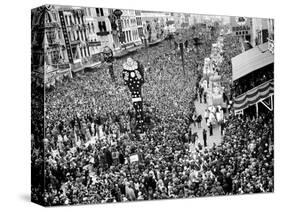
(215, 138)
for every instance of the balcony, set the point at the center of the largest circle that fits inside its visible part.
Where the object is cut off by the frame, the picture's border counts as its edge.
(54, 42)
(76, 67)
(105, 33)
(75, 42)
(51, 25)
(94, 43)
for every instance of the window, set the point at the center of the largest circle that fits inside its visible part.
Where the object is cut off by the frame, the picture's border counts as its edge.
(55, 16)
(127, 36)
(50, 37)
(54, 57)
(98, 12)
(59, 35)
(102, 26)
(70, 20)
(66, 20)
(130, 33)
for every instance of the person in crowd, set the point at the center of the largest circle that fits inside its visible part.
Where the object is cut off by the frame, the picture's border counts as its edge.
(201, 90)
(205, 97)
(206, 115)
(205, 137)
(210, 126)
(199, 120)
(222, 127)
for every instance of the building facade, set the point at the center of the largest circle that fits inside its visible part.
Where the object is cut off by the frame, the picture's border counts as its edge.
(49, 53)
(155, 24)
(262, 30)
(130, 28)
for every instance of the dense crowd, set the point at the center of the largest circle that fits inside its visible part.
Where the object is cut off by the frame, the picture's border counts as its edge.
(90, 138)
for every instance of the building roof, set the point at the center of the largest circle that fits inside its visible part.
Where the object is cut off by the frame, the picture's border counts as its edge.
(251, 60)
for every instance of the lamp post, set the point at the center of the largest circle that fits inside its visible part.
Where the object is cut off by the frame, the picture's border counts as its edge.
(117, 13)
(180, 40)
(108, 58)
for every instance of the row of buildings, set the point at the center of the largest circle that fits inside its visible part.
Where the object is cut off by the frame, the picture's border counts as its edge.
(68, 39)
(254, 31)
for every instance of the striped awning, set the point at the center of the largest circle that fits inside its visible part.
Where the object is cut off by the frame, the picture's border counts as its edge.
(254, 95)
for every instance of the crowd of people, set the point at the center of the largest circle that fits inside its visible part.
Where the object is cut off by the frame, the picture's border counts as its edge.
(90, 141)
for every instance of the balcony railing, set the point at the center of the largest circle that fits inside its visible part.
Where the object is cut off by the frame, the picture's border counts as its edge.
(94, 43)
(74, 42)
(103, 33)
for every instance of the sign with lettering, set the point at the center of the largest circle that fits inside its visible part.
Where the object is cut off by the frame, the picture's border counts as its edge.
(66, 38)
(240, 28)
(134, 158)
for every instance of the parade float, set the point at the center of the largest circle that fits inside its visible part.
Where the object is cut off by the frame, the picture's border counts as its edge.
(211, 80)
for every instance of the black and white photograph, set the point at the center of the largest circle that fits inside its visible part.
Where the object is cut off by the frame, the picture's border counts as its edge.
(139, 105)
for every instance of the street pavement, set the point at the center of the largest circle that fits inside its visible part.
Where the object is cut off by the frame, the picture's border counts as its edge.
(215, 138)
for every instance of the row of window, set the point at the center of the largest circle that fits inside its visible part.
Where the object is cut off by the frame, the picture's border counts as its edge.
(131, 35)
(242, 33)
(129, 22)
(77, 35)
(139, 22)
(81, 52)
(78, 52)
(89, 12)
(91, 28)
(71, 20)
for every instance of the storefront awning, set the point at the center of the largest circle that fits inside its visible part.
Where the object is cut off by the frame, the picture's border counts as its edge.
(251, 60)
(253, 96)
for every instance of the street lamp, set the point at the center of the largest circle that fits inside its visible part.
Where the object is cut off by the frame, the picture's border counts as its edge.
(181, 41)
(108, 58)
(117, 13)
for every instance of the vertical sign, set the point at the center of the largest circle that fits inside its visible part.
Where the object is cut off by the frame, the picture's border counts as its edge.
(65, 35)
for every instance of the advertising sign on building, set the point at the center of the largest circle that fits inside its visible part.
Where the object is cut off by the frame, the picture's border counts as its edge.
(65, 35)
(241, 26)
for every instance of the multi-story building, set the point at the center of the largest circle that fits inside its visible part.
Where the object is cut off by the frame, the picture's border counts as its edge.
(242, 28)
(104, 31)
(73, 20)
(49, 52)
(154, 24)
(262, 30)
(130, 28)
(91, 31)
(139, 24)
